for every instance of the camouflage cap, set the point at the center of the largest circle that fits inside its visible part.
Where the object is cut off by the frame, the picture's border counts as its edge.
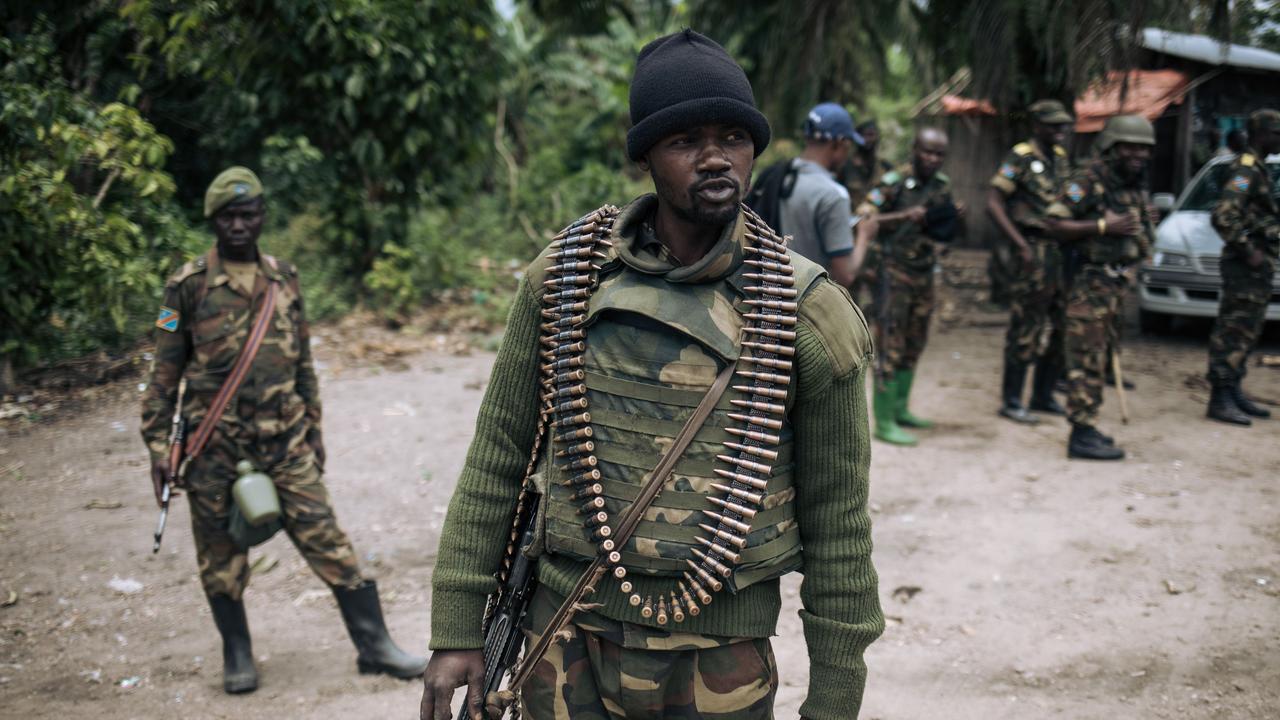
(1050, 112)
(234, 183)
(1265, 119)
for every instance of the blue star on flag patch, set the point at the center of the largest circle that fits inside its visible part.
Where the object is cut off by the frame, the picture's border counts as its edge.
(1240, 183)
(168, 320)
(876, 197)
(1075, 193)
(1008, 171)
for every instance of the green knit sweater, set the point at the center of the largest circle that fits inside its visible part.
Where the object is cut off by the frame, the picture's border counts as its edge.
(841, 612)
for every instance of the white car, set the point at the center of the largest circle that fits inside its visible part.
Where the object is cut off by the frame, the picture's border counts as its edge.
(1181, 278)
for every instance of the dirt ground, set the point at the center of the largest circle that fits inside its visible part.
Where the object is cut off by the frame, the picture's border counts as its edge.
(1018, 584)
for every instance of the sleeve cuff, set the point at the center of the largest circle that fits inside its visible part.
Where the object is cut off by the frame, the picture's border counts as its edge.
(456, 619)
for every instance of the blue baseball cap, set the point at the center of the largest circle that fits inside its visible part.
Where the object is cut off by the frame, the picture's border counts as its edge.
(829, 121)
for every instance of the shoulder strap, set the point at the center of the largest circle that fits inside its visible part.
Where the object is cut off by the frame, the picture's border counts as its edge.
(586, 584)
(237, 375)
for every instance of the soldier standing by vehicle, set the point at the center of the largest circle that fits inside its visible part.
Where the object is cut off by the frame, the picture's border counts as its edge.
(1248, 219)
(914, 212)
(271, 419)
(1021, 192)
(622, 336)
(1104, 211)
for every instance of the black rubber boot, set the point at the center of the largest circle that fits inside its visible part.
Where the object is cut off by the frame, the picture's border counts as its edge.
(1086, 443)
(1042, 387)
(362, 612)
(1015, 376)
(1246, 405)
(1223, 408)
(238, 673)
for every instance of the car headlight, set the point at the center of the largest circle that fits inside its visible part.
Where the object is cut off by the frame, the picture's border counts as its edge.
(1171, 260)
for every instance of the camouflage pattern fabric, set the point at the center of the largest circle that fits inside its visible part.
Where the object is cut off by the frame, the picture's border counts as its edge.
(901, 322)
(651, 354)
(1242, 313)
(1092, 309)
(1029, 181)
(304, 501)
(204, 321)
(898, 190)
(1247, 218)
(859, 174)
(1099, 285)
(609, 670)
(902, 329)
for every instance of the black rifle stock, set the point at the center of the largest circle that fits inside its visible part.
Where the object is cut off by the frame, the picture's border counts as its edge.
(502, 635)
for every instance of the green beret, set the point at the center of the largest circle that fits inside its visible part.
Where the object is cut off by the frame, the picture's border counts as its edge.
(234, 183)
(1050, 112)
(1265, 120)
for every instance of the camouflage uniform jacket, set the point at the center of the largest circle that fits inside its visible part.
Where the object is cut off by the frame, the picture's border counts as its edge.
(204, 322)
(1247, 216)
(1029, 181)
(908, 245)
(859, 174)
(1087, 195)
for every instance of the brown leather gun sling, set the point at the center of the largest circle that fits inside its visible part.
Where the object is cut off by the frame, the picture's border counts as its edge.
(235, 378)
(586, 584)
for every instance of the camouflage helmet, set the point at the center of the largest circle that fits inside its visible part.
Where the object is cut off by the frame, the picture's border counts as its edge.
(1126, 129)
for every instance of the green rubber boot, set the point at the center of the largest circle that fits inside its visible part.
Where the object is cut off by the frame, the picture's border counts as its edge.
(886, 406)
(904, 416)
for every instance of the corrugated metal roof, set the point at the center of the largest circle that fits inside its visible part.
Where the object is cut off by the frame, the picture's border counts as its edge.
(1207, 50)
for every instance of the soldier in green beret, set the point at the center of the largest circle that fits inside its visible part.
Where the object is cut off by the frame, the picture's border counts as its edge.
(272, 421)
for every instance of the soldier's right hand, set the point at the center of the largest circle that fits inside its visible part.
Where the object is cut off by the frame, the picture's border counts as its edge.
(1256, 258)
(1027, 254)
(1121, 224)
(159, 473)
(915, 214)
(448, 670)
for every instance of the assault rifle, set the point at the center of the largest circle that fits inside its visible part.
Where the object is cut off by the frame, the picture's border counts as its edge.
(177, 436)
(502, 635)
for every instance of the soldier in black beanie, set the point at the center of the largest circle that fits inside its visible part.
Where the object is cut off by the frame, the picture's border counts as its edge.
(623, 340)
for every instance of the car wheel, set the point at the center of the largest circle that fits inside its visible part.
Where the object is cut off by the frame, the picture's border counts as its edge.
(1154, 323)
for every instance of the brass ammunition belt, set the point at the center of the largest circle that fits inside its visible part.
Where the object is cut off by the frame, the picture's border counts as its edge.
(764, 366)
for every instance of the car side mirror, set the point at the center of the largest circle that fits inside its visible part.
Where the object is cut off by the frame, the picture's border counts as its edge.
(1163, 202)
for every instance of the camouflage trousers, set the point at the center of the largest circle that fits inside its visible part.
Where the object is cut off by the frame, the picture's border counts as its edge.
(1037, 299)
(307, 516)
(902, 328)
(1242, 312)
(1092, 308)
(607, 672)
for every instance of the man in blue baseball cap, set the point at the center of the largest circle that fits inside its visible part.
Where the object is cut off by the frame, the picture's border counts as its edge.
(816, 214)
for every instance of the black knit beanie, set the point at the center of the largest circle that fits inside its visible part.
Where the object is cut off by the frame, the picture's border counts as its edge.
(686, 79)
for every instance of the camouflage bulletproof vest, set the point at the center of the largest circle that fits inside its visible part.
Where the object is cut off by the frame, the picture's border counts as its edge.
(1110, 193)
(1037, 179)
(653, 349)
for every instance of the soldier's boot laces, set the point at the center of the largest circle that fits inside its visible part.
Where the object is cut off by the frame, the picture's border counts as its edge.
(1015, 376)
(885, 406)
(378, 653)
(238, 672)
(1086, 443)
(906, 379)
(1248, 406)
(1046, 380)
(1223, 408)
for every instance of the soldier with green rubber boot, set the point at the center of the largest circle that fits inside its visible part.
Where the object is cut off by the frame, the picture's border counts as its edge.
(915, 212)
(233, 328)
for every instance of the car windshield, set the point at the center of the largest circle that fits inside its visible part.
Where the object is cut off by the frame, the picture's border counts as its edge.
(1204, 195)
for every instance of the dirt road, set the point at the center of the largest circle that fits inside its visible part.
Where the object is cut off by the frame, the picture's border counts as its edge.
(1018, 584)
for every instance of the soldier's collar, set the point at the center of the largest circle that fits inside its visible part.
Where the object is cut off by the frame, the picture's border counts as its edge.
(217, 274)
(629, 242)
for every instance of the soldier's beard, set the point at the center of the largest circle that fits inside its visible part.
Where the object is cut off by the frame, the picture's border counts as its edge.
(700, 214)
